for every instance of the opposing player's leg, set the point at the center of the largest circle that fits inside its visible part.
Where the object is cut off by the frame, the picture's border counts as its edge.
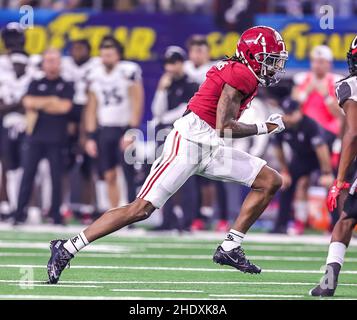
(233, 165)
(341, 237)
(168, 174)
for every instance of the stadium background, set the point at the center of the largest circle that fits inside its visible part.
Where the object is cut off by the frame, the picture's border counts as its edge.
(145, 31)
(146, 28)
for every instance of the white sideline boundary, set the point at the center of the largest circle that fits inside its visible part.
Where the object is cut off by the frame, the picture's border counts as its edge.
(256, 296)
(124, 247)
(202, 235)
(175, 257)
(55, 297)
(101, 282)
(36, 284)
(175, 269)
(157, 290)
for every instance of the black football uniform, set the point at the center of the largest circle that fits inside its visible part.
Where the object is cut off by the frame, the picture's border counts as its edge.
(347, 90)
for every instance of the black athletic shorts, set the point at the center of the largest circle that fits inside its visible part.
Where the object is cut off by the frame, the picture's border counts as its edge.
(109, 153)
(12, 150)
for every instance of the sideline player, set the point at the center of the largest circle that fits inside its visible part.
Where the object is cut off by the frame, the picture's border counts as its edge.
(346, 92)
(196, 146)
(115, 104)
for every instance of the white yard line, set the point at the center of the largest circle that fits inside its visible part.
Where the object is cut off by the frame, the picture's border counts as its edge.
(202, 235)
(33, 284)
(45, 245)
(255, 296)
(55, 297)
(146, 268)
(133, 246)
(103, 282)
(173, 256)
(157, 290)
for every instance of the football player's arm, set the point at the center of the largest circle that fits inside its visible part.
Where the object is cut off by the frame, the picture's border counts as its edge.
(227, 109)
(57, 106)
(284, 168)
(159, 104)
(136, 93)
(90, 125)
(280, 156)
(324, 157)
(35, 103)
(349, 141)
(90, 114)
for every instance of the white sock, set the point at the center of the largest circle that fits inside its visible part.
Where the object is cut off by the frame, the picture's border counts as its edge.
(13, 184)
(301, 210)
(76, 243)
(336, 253)
(233, 240)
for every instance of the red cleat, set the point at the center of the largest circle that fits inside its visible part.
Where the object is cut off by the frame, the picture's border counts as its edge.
(197, 225)
(297, 228)
(222, 226)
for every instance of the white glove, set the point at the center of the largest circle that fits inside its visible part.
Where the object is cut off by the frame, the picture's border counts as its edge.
(276, 119)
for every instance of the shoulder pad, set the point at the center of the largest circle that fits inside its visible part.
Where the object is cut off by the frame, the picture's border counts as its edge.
(346, 90)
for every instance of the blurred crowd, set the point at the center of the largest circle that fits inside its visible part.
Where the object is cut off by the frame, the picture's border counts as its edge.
(226, 8)
(69, 134)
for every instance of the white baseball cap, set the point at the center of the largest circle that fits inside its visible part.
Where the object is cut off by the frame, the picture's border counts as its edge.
(323, 52)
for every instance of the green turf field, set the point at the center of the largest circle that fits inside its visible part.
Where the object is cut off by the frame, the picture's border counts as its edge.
(166, 267)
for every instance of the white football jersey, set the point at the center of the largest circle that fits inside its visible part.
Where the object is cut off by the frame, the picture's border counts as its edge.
(197, 74)
(79, 75)
(12, 90)
(112, 92)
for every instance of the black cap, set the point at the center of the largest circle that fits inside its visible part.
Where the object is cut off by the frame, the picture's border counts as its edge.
(174, 54)
(289, 105)
(13, 36)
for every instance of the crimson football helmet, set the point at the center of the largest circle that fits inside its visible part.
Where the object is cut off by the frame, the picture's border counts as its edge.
(262, 49)
(352, 57)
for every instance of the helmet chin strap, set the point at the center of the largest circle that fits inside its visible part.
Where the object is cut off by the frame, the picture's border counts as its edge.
(263, 82)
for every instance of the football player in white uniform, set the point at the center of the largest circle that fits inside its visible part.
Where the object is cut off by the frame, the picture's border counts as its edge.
(115, 104)
(14, 82)
(13, 37)
(77, 68)
(346, 92)
(199, 61)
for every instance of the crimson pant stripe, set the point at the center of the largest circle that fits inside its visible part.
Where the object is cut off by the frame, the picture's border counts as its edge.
(164, 168)
(159, 167)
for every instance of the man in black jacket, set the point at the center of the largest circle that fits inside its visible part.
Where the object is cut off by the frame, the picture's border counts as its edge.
(47, 103)
(310, 152)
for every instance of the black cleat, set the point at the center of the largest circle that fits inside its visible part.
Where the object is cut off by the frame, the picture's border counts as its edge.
(328, 283)
(59, 260)
(236, 259)
(318, 291)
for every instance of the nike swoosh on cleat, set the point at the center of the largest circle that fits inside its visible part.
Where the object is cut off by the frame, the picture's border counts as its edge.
(235, 261)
